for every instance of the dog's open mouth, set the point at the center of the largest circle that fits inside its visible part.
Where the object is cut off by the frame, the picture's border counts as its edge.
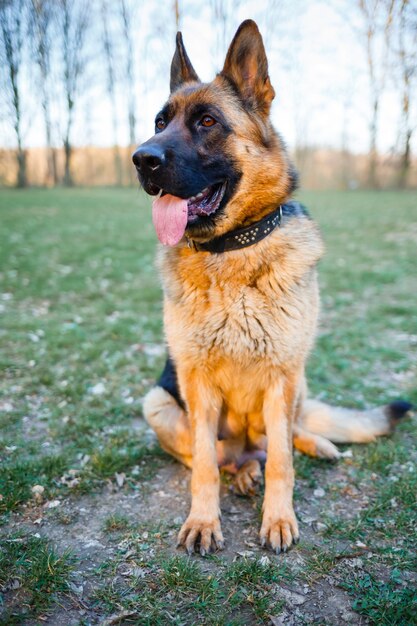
(171, 214)
(206, 202)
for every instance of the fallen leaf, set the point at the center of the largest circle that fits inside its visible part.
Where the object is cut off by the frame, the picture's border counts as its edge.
(53, 504)
(117, 618)
(120, 479)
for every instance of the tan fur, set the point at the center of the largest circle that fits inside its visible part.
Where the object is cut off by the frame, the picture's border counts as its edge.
(345, 425)
(248, 320)
(240, 325)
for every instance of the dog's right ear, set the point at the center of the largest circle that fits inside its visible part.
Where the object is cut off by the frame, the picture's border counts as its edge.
(181, 69)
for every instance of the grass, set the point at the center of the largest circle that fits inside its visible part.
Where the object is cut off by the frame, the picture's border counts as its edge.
(34, 573)
(116, 522)
(81, 338)
(386, 603)
(178, 589)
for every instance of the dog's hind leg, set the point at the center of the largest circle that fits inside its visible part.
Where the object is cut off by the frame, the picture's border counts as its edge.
(318, 424)
(314, 445)
(172, 427)
(249, 475)
(305, 441)
(170, 423)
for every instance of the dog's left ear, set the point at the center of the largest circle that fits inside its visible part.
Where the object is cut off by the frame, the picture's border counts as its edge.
(181, 69)
(246, 66)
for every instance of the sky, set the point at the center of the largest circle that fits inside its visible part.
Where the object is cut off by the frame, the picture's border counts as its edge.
(316, 59)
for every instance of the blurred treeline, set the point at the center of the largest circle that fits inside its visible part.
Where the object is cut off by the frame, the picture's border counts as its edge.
(54, 52)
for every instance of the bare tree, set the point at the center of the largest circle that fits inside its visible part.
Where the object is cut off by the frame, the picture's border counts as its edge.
(377, 18)
(111, 91)
(346, 171)
(221, 18)
(407, 57)
(12, 21)
(275, 20)
(177, 14)
(40, 27)
(127, 11)
(224, 17)
(73, 19)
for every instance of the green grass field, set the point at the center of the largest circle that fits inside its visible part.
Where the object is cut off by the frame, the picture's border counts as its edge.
(81, 342)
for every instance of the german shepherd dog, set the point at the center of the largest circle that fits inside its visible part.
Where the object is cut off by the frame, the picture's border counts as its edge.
(240, 297)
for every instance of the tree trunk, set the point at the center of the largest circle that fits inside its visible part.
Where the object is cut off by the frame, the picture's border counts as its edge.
(407, 131)
(54, 165)
(407, 40)
(131, 112)
(131, 100)
(12, 37)
(405, 162)
(52, 172)
(68, 181)
(378, 20)
(20, 154)
(108, 51)
(73, 20)
(21, 171)
(373, 182)
(177, 14)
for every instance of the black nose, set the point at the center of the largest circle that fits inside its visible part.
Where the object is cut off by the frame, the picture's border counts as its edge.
(149, 157)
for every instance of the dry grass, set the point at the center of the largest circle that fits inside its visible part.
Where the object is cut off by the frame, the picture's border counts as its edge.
(319, 168)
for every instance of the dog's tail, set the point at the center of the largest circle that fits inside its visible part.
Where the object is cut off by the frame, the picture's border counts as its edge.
(317, 428)
(341, 425)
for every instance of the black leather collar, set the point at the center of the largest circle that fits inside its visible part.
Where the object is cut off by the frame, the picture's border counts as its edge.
(242, 237)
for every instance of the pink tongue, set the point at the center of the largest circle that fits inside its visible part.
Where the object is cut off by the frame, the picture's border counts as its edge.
(169, 216)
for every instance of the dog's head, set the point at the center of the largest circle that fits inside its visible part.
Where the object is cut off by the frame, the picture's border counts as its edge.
(215, 159)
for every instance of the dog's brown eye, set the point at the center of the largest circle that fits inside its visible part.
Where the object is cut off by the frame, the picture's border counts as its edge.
(160, 124)
(207, 121)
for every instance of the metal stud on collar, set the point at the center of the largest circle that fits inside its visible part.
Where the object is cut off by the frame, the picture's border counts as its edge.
(242, 237)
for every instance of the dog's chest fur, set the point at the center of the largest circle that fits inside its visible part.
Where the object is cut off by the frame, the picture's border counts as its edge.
(242, 311)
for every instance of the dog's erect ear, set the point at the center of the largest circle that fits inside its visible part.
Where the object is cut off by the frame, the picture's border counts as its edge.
(246, 66)
(181, 69)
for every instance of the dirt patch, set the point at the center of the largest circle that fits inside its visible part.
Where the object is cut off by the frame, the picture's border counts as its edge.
(78, 524)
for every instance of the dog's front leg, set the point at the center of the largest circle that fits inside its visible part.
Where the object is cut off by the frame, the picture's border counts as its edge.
(203, 523)
(279, 525)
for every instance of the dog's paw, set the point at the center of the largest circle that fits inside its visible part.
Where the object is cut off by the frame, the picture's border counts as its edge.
(327, 450)
(248, 478)
(201, 536)
(279, 532)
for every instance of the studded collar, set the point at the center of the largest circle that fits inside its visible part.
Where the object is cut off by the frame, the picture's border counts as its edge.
(241, 237)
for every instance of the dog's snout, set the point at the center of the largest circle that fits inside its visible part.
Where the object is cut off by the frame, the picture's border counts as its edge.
(149, 158)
